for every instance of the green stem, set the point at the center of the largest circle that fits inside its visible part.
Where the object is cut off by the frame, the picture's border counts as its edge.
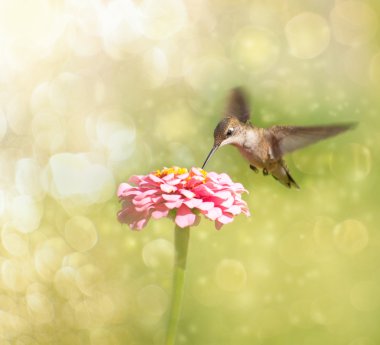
(181, 242)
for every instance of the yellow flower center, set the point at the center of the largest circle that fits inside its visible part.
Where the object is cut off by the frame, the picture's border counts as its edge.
(177, 171)
(203, 172)
(168, 171)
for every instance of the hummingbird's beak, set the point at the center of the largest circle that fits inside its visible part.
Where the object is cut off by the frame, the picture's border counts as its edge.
(214, 148)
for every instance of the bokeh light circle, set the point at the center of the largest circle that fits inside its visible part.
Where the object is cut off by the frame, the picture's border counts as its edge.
(353, 22)
(255, 50)
(351, 236)
(80, 233)
(158, 254)
(230, 275)
(308, 35)
(352, 162)
(162, 19)
(152, 300)
(14, 242)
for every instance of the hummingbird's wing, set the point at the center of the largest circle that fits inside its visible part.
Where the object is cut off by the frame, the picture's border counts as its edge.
(291, 138)
(237, 105)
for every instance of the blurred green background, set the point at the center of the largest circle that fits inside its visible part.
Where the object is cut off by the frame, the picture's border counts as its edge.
(92, 92)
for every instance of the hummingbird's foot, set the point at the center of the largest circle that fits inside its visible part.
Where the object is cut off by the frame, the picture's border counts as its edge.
(265, 172)
(254, 168)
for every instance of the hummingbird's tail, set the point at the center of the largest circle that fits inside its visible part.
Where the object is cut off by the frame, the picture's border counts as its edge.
(291, 181)
(282, 175)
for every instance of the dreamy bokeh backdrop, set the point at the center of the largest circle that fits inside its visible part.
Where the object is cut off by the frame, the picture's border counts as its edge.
(92, 92)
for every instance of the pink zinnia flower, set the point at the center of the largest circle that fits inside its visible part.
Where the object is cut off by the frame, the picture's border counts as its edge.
(182, 195)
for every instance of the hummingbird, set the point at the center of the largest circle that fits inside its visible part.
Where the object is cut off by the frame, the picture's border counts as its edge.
(264, 148)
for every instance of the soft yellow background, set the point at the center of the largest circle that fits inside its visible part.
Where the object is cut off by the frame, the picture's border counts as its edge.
(92, 92)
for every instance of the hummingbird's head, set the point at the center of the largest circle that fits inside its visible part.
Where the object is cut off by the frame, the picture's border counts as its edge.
(226, 132)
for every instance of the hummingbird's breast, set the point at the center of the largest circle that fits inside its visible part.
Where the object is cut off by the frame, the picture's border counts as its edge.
(255, 147)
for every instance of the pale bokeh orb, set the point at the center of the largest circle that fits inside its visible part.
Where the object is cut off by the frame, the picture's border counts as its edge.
(93, 312)
(17, 113)
(308, 35)
(351, 236)
(40, 307)
(39, 98)
(69, 93)
(12, 325)
(160, 20)
(48, 257)
(49, 131)
(14, 243)
(17, 274)
(158, 254)
(65, 283)
(121, 26)
(34, 28)
(203, 74)
(155, 67)
(351, 162)
(88, 278)
(353, 22)
(121, 144)
(117, 136)
(255, 50)
(73, 175)
(82, 42)
(26, 213)
(81, 233)
(28, 178)
(230, 275)
(152, 300)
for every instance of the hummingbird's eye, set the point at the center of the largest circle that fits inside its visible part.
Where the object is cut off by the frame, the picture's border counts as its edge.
(229, 132)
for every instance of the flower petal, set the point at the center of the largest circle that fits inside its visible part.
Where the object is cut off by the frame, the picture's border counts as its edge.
(174, 204)
(185, 217)
(235, 210)
(171, 197)
(223, 194)
(167, 188)
(154, 178)
(123, 188)
(205, 206)
(141, 202)
(136, 179)
(229, 202)
(202, 190)
(218, 225)
(135, 219)
(160, 212)
(225, 218)
(192, 203)
(187, 193)
(214, 213)
(139, 224)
